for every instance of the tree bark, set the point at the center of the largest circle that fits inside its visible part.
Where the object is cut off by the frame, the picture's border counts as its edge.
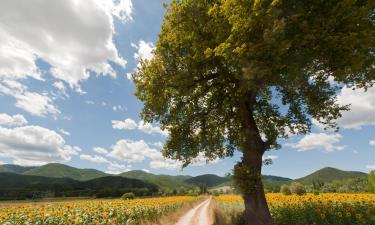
(256, 208)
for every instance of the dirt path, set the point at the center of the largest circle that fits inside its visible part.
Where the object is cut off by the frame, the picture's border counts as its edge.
(199, 215)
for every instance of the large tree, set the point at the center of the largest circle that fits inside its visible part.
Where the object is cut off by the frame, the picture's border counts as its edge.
(238, 75)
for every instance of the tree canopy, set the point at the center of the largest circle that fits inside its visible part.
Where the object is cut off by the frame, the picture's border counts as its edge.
(279, 63)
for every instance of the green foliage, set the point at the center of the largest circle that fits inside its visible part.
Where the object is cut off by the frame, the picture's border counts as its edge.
(329, 174)
(285, 189)
(371, 181)
(210, 180)
(297, 188)
(246, 179)
(129, 195)
(14, 168)
(57, 170)
(16, 186)
(162, 181)
(219, 66)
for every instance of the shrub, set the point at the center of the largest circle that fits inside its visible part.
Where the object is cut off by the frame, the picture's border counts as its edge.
(285, 189)
(297, 188)
(129, 195)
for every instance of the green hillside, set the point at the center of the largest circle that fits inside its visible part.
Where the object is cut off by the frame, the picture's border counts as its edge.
(14, 168)
(160, 180)
(17, 186)
(329, 174)
(210, 180)
(275, 178)
(57, 170)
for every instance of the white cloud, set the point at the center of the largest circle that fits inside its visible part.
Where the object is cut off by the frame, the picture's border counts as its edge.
(144, 52)
(100, 150)
(116, 168)
(89, 102)
(150, 129)
(318, 141)
(64, 132)
(119, 108)
(361, 110)
(130, 151)
(129, 124)
(15, 120)
(138, 151)
(34, 145)
(146, 170)
(371, 167)
(74, 37)
(60, 86)
(372, 143)
(112, 168)
(94, 159)
(36, 104)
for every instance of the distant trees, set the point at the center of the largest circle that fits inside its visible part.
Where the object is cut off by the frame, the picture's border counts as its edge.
(129, 195)
(297, 188)
(285, 189)
(371, 181)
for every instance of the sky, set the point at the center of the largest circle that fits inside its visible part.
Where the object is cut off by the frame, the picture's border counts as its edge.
(66, 96)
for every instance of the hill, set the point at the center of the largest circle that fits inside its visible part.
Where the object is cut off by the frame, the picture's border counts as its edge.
(17, 186)
(275, 178)
(56, 170)
(210, 180)
(14, 168)
(160, 180)
(329, 174)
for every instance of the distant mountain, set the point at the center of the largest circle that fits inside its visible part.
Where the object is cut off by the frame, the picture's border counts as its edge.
(160, 180)
(274, 178)
(210, 180)
(17, 186)
(329, 174)
(14, 168)
(56, 170)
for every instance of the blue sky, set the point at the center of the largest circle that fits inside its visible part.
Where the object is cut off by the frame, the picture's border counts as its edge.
(66, 97)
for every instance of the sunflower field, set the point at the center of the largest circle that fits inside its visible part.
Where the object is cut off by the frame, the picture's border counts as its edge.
(310, 209)
(117, 211)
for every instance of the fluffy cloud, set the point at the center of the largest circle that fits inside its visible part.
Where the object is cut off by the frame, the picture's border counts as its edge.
(62, 35)
(74, 37)
(34, 145)
(372, 143)
(138, 151)
(36, 104)
(94, 159)
(15, 120)
(64, 132)
(116, 168)
(319, 141)
(129, 124)
(130, 151)
(371, 167)
(100, 150)
(362, 108)
(144, 52)
(112, 168)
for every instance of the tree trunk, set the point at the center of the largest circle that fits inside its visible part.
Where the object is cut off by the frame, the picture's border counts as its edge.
(256, 208)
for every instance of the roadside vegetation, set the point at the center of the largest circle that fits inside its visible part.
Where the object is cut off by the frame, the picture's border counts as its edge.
(322, 209)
